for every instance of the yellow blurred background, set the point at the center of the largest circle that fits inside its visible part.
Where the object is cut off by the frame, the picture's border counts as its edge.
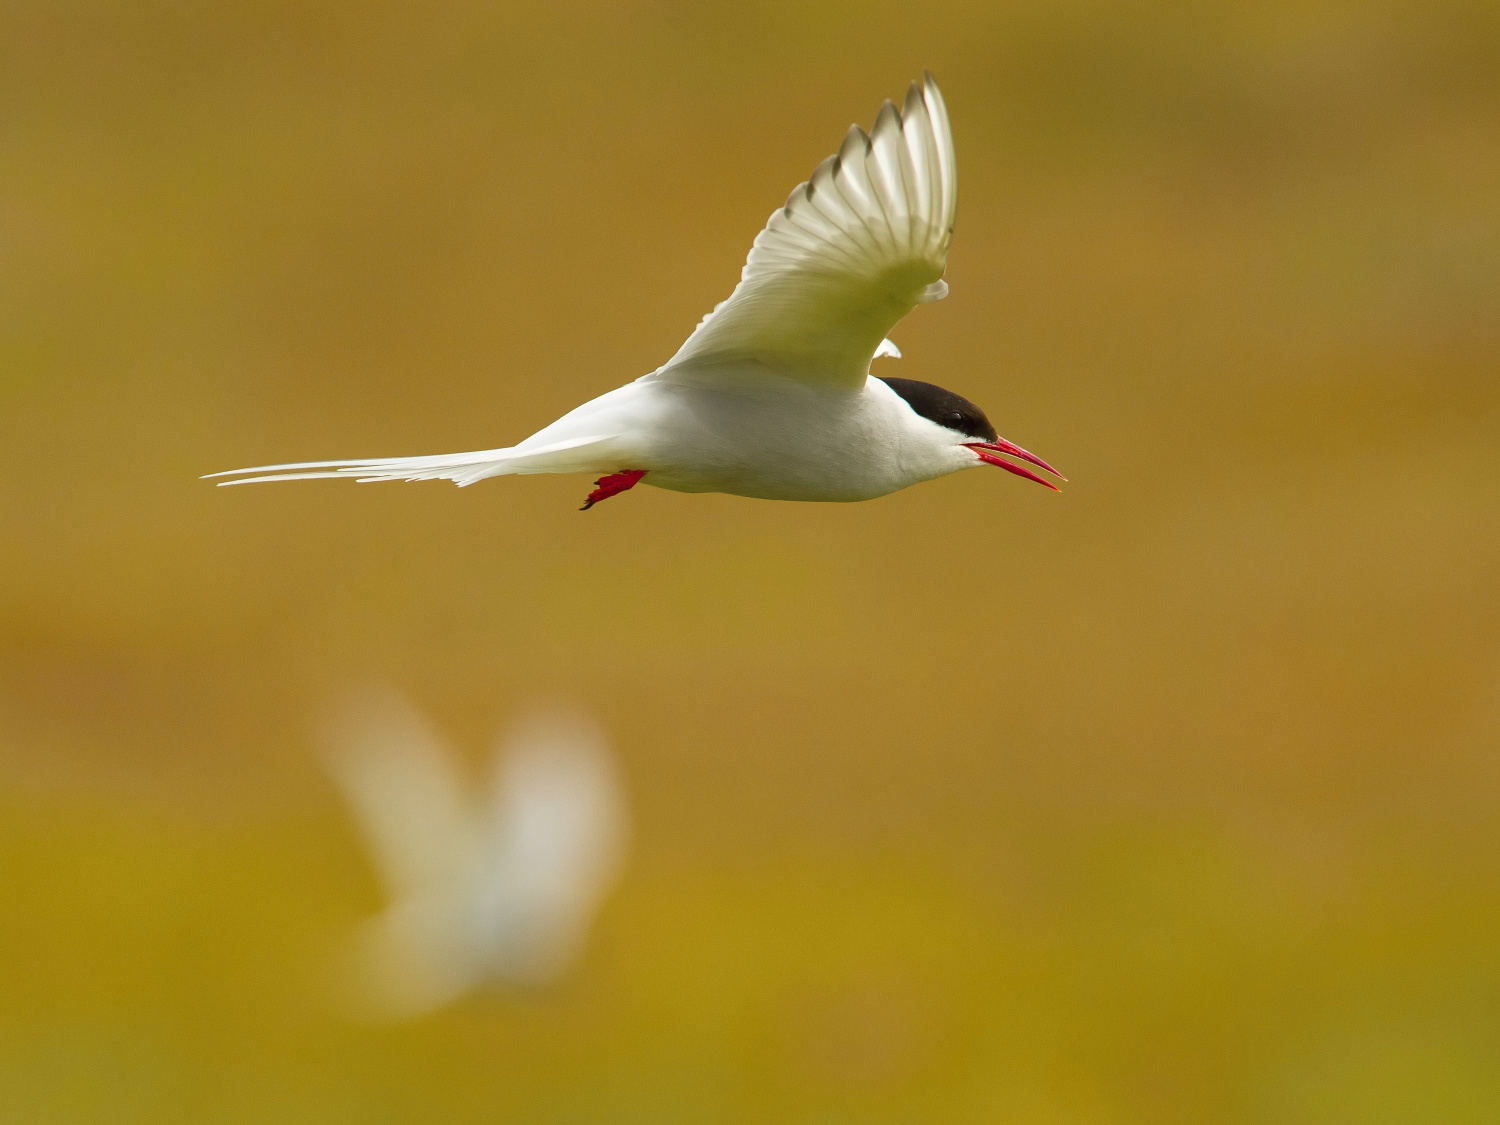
(1172, 798)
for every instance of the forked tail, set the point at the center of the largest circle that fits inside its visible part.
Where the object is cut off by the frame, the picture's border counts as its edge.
(571, 456)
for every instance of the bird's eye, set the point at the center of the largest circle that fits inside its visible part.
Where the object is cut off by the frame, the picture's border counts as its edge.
(956, 421)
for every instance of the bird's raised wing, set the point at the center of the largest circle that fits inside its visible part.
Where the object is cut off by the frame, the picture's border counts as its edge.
(557, 827)
(856, 248)
(418, 818)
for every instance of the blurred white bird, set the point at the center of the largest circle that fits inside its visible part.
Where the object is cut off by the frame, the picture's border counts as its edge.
(492, 886)
(771, 396)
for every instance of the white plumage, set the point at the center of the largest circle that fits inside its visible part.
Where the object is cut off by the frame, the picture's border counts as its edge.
(771, 396)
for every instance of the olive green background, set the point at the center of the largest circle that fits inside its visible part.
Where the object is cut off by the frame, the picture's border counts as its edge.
(1172, 798)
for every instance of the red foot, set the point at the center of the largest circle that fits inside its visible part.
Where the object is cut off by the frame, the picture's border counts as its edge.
(613, 485)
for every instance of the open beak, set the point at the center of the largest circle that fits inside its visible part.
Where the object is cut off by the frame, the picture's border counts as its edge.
(988, 449)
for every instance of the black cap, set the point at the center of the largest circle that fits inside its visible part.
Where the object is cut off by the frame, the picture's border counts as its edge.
(943, 407)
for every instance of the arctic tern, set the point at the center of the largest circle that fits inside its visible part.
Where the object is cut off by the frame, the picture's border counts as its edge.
(771, 396)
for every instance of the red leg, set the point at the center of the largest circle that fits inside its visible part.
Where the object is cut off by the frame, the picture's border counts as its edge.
(613, 485)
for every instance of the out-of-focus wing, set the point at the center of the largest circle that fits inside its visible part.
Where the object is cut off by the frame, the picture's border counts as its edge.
(855, 248)
(557, 826)
(419, 821)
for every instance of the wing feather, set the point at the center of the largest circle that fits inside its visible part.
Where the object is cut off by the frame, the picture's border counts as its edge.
(927, 186)
(853, 250)
(403, 788)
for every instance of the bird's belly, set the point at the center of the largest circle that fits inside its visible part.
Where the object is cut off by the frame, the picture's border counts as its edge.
(827, 487)
(835, 469)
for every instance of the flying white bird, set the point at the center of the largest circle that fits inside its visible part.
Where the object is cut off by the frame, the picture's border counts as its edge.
(498, 886)
(771, 396)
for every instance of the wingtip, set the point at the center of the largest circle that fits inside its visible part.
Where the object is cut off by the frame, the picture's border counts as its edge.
(887, 120)
(855, 137)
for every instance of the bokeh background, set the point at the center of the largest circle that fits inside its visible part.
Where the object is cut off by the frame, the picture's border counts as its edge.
(1172, 798)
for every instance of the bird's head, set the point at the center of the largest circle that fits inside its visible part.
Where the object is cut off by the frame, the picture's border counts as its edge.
(968, 428)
